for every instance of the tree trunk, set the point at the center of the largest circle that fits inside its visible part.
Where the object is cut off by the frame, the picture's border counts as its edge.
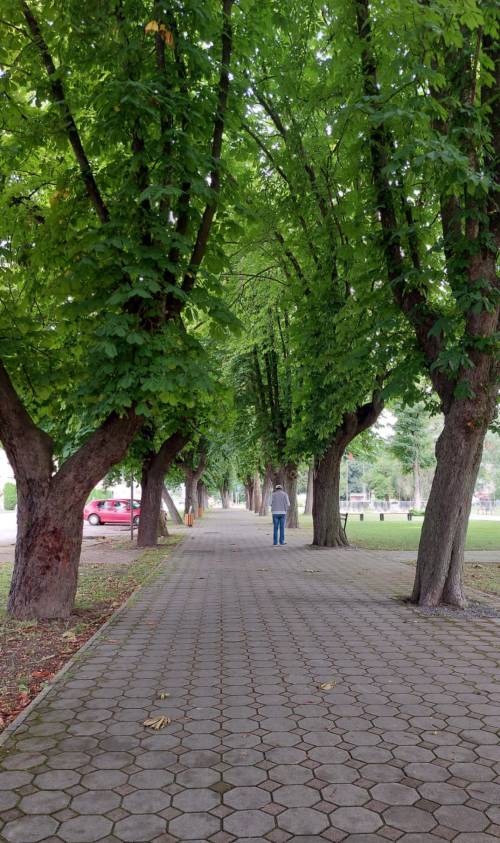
(328, 530)
(192, 476)
(266, 491)
(200, 498)
(224, 495)
(417, 493)
(154, 468)
(438, 577)
(191, 496)
(172, 509)
(257, 493)
(50, 506)
(290, 477)
(249, 493)
(162, 524)
(308, 508)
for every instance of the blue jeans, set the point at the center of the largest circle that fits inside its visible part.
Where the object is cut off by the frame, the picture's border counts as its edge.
(279, 521)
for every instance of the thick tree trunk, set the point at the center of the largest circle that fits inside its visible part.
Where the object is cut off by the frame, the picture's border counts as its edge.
(290, 477)
(154, 468)
(438, 577)
(328, 530)
(200, 498)
(50, 507)
(257, 493)
(308, 508)
(417, 493)
(172, 509)
(266, 491)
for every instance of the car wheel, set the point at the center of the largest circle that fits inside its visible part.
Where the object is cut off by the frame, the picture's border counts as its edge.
(136, 521)
(94, 519)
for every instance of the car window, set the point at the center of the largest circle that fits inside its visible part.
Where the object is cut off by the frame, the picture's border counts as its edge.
(108, 504)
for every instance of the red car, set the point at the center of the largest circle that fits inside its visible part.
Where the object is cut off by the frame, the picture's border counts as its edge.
(112, 511)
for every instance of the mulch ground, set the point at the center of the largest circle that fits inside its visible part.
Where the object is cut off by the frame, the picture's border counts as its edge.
(32, 652)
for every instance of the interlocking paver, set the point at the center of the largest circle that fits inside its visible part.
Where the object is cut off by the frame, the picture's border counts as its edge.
(404, 747)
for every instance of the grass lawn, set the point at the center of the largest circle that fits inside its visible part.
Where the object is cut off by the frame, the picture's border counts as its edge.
(31, 652)
(396, 533)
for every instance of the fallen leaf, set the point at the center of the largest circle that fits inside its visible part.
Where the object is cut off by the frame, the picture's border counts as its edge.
(157, 722)
(328, 686)
(69, 635)
(311, 571)
(163, 695)
(477, 565)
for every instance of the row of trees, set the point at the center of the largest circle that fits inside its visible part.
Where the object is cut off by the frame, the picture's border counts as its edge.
(343, 253)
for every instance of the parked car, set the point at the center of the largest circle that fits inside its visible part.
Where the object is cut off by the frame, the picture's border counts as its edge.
(112, 511)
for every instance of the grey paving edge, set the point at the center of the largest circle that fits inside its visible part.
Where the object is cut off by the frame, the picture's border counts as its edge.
(13, 726)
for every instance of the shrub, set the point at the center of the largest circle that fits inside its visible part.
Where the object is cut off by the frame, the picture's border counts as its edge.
(97, 494)
(10, 496)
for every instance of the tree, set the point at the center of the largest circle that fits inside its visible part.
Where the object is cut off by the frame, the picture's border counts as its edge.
(112, 175)
(413, 446)
(446, 103)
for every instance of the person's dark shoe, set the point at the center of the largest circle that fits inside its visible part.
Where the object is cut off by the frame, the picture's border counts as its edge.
(275, 544)
(282, 543)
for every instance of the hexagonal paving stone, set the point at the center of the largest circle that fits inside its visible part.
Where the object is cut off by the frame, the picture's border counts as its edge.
(395, 794)
(44, 802)
(86, 829)
(95, 802)
(248, 823)
(355, 819)
(461, 818)
(244, 798)
(201, 777)
(409, 819)
(146, 802)
(336, 773)
(57, 780)
(196, 799)
(296, 796)
(246, 776)
(140, 828)
(345, 795)
(195, 826)
(290, 774)
(29, 829)
(302, 821)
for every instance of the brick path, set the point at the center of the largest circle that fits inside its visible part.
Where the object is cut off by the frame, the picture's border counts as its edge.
(241, 634)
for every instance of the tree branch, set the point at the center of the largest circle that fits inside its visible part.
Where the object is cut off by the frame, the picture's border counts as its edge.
(59, 99)
(29, 449)
(218, 134)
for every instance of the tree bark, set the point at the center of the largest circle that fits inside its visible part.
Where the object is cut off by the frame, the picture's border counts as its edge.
(172, 509)
(308, 508)
(328, 530)
(249, 493)
(290, 483)
(266, 491)
(50, 505)
(225, 495)
(154, 467)
(192, 475)
(438, 577)
(257, 493)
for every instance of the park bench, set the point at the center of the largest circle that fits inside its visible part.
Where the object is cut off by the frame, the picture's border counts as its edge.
(345, 516)
(383, 515)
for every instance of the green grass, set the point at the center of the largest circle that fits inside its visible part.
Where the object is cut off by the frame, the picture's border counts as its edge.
(396, 533)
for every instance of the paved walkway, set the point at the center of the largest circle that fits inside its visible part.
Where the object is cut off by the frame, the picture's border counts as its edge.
(240, 634)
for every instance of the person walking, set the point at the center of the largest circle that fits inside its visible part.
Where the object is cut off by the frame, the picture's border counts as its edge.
(280, 504)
